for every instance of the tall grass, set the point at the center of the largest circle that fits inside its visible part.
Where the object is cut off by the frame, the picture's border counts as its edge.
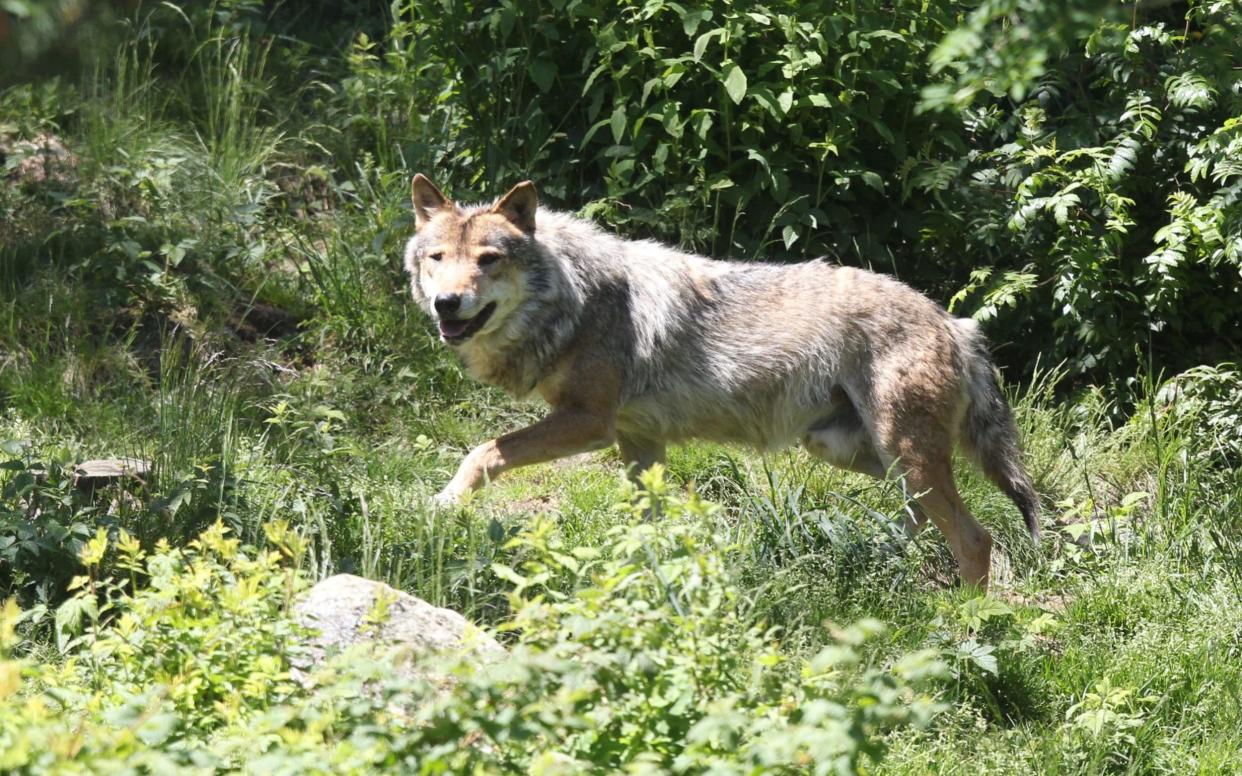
(193, 449)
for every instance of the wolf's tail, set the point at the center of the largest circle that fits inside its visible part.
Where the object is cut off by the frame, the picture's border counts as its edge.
(989, 434)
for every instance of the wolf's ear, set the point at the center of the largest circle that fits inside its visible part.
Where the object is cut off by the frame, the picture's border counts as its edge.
(428, 200)
(519, 206)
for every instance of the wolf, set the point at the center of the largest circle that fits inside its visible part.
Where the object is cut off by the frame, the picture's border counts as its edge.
(634, 343)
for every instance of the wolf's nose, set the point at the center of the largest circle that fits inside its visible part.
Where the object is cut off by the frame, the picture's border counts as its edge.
(447, 304)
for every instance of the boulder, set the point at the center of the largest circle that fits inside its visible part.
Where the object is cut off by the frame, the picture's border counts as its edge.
(43, 160)
(345, 610)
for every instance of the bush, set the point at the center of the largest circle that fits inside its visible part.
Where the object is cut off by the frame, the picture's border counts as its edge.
(645, 662)
(1067, 174)
(1062, 171)
(44, 524)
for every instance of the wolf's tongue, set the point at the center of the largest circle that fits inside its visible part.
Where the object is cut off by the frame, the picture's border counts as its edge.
(453, 328)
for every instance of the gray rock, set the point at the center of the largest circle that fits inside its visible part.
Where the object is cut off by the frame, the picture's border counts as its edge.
(42, 160)
(345, 610)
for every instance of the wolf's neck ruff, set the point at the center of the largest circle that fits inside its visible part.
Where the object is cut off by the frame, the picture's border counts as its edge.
(521, 351)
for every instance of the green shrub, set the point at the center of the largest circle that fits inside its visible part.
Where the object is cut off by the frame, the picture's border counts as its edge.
(640, 658)
(1068, 172)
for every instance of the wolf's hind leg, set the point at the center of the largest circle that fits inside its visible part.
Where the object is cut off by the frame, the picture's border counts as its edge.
(843, 442)
(924, 459)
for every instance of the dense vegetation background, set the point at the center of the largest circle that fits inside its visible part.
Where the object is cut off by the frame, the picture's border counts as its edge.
(202, 206)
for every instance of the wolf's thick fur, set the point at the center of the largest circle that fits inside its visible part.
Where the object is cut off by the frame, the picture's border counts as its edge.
(640, 344)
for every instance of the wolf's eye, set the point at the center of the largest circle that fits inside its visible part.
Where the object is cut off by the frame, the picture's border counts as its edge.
(490, 258)
(435, 256)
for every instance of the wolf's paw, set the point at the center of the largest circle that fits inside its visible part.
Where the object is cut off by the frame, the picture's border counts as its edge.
(447, 498)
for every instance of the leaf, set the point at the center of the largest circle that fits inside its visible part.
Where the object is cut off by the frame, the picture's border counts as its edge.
(735, 83)
(979, 610)
(568, 561)
(157, 729)
(647, 87)
(1124, 158)
(1189, 90)
(786, 100)
(495, 531)
(543, 73)
(324, 411)
(508, 574)
(1061, 206)
(174, 253)
(764, 96)
(690, 22)
(979, 654)
(69, 617)
(617, 123)
(590, 133)
(790, 235)
(883, 35)
(1134, 499)
(700, 43)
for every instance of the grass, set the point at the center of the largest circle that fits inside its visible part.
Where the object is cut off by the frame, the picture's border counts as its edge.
(1121, 654)
(1115, 646)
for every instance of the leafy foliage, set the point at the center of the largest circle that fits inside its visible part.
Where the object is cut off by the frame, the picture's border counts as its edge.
(1068, 172)
(646, 660)
(1120, 210)
(1069, 175)
(44, 523)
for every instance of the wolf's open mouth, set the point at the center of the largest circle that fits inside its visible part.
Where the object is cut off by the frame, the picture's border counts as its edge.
(457, 330)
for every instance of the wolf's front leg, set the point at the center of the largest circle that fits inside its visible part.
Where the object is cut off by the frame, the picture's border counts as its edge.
(560, 434)
(639, 454)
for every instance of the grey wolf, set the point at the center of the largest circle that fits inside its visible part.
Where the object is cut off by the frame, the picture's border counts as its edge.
(635, 343)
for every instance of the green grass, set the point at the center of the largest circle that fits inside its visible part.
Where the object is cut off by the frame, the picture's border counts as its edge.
(1114, 650)
(1150, 608)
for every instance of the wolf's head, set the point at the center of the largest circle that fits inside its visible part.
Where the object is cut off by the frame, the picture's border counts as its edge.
(463, 262)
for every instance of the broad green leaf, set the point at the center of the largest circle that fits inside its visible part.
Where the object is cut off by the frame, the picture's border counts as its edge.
(691, 20)
(700, 43)
(543, 73)
(617, 123)
(508, 574)
(735, 83)
(873, 180)
(648, 86)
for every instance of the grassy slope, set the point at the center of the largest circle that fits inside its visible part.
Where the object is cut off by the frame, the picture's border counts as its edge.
(1119, 655)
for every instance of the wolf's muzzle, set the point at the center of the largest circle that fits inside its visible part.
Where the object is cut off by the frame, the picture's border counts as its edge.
(455, 331)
